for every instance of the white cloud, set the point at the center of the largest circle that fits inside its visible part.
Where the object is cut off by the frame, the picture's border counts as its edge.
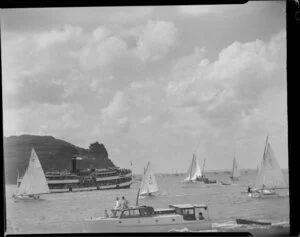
(102, 52)
(147, 119)
(223, 91)
(115, 108)
(122, 120)
(156, 40)
(101, 33)
(61, 35)
(43, 118)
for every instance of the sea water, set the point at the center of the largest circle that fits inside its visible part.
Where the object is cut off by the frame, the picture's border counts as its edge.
(67, 212)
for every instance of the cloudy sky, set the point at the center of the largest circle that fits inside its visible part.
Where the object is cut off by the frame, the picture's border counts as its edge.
(151, 83)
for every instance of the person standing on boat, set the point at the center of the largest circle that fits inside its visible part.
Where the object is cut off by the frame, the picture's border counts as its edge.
(117, 207)
(118, 204)
(125, 203)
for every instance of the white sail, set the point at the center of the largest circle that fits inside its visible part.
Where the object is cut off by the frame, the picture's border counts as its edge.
(235, 174)
(148, 184)
(270, 174)
(194, 170)
(34, 180)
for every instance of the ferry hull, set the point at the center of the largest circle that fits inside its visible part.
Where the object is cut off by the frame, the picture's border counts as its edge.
(93, 188)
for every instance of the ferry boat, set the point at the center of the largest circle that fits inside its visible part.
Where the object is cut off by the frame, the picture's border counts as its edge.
(147, 219)
(87, 179)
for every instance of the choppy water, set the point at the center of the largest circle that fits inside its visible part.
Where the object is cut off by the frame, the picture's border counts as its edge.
(65, 212)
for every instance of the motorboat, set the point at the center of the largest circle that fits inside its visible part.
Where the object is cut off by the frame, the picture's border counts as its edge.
(194, 217)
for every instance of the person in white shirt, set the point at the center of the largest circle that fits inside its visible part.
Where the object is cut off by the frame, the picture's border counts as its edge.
(117, 207)
(118, 204)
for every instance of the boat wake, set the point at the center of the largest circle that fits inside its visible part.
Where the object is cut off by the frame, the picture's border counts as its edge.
(225, 225)
(188, 230)
(182, 195)
(282, 223)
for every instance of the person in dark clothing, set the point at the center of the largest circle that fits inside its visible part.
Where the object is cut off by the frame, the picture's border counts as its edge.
(125, 203)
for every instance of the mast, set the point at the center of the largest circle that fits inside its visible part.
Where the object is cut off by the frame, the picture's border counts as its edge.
(233, 167)
(266, 145)
(131, 170)
(203, 168)
(137, 198)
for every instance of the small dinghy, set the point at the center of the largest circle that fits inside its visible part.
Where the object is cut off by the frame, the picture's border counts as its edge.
(251, 222)
(235, 173)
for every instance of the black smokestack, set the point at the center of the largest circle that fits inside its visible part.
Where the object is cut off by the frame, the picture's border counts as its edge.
(74, 164)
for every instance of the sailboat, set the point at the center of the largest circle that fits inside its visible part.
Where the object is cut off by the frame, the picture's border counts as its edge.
(270, 176)
(205, 179)
(235, 174)
(194, 171)
(34, 181)
(148, 185)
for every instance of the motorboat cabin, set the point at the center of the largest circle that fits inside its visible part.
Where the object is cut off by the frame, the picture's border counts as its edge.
(148, 219)
(191, 212)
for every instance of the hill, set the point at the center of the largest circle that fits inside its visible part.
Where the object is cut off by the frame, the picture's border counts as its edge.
(54, 155)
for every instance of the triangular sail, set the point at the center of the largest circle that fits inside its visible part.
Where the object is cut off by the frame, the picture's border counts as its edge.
(270, 174)
(148, 184)
(34, 180)
(194, 170)
(235, 174)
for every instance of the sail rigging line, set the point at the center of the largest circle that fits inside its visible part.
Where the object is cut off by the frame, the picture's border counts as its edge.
(203, 167)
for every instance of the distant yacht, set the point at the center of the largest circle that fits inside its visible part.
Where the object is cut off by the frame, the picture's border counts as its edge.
(194, 171)
(195, 174)
(34, 181)
(149, 185)
(204, 179)
(235, 174)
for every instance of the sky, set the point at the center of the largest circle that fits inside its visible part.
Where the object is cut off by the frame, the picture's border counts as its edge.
(151, 83)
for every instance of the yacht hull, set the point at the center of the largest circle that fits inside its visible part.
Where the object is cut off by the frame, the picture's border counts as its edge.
(26, 199)
(143, 225)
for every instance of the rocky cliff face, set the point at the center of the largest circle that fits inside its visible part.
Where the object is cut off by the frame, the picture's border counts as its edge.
(54, 155)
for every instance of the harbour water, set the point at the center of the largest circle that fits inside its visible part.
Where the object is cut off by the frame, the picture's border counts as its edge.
(67, 212)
